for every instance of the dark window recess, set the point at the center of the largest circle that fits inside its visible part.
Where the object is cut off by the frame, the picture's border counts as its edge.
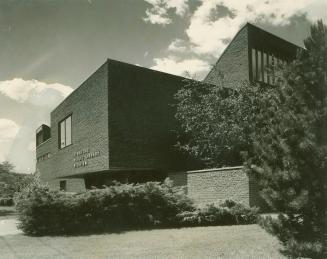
(63, 185)
(263, 66)
(43, 133)
(43, 157)
(65, 132)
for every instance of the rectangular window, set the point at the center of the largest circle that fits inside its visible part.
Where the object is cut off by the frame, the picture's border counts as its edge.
(259, 65)
(273, 65)
(39, 138)
(254, 65)
(63, 185)
(265, 72)
(69, 131)
(65, 132)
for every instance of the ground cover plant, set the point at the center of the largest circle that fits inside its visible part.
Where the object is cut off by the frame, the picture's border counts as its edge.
(119, 207)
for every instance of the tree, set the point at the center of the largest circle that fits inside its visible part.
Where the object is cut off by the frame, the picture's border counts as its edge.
(216, 121)
(6, 167)
(283, 130)
(289, 155)
(10, 181)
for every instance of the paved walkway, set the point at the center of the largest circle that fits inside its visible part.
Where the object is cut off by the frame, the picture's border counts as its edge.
(9, 227)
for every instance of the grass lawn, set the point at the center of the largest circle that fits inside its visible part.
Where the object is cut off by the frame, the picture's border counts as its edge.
(202, 242)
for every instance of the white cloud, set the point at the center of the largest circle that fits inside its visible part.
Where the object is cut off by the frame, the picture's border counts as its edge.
(17, 142)
(158, 13)
(34, 92)
(31, 146)
(8, 130)
(209, 36)
(180, 67)
(178, 45)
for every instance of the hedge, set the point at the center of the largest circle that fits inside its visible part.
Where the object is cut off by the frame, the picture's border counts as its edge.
(119, 207)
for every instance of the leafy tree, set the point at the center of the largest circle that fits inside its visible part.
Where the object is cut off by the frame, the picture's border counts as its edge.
(6, 167)
(216, 121)
(10, 181)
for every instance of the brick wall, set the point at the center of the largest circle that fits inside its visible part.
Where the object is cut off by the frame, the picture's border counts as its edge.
(216, 185)
(72, 184)
(142, 125)
(233, 63)
(88, 105)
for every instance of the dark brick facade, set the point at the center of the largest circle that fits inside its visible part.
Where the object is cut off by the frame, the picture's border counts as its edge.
(142, 125)
(123, 123)
(88, 106)
(124, 126)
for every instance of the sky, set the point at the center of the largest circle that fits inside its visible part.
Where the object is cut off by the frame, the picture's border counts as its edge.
(49, 47)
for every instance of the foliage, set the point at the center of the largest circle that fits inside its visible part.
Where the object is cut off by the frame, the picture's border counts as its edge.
(228, 213)
(280, 130)
(289, 155)
(118, 207)
(11, 182)
(216, 121)
(292, 247)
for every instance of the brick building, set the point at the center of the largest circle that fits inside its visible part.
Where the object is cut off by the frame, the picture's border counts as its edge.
(120, 124)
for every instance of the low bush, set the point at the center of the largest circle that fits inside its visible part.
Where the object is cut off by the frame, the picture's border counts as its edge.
(227, 213)
(119, 207)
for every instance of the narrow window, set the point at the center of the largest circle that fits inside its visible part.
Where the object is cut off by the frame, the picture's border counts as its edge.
(273, 66)
(62, 134)
(39, 138)
(259, 65)
(69, 131)
(65, 132)
(265, 72)
(254, 65)
(63, 185)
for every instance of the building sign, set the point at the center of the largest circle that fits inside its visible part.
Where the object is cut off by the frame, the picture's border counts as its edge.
(83, 156)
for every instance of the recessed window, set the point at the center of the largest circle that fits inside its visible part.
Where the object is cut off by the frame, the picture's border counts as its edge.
(260, 70)
(264, 66)
(65, 132)
(63, 185)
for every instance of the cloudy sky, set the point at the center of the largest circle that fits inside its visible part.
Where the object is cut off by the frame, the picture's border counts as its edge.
(49, 47)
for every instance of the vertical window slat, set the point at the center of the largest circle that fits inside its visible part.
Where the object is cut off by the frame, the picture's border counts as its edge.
(254, 65)
(259, 65)
(62, 135)
(65, 132)
(68, 130)
(265, 74)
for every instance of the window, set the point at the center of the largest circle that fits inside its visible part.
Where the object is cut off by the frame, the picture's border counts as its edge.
(265, 72)
(65, 132)
(63, 185)
(43, 157)
(264, 66)
(254, 65)
(259, 78)
(39, 138)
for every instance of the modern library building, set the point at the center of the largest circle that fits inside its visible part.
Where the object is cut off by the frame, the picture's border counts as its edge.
(120, 125)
